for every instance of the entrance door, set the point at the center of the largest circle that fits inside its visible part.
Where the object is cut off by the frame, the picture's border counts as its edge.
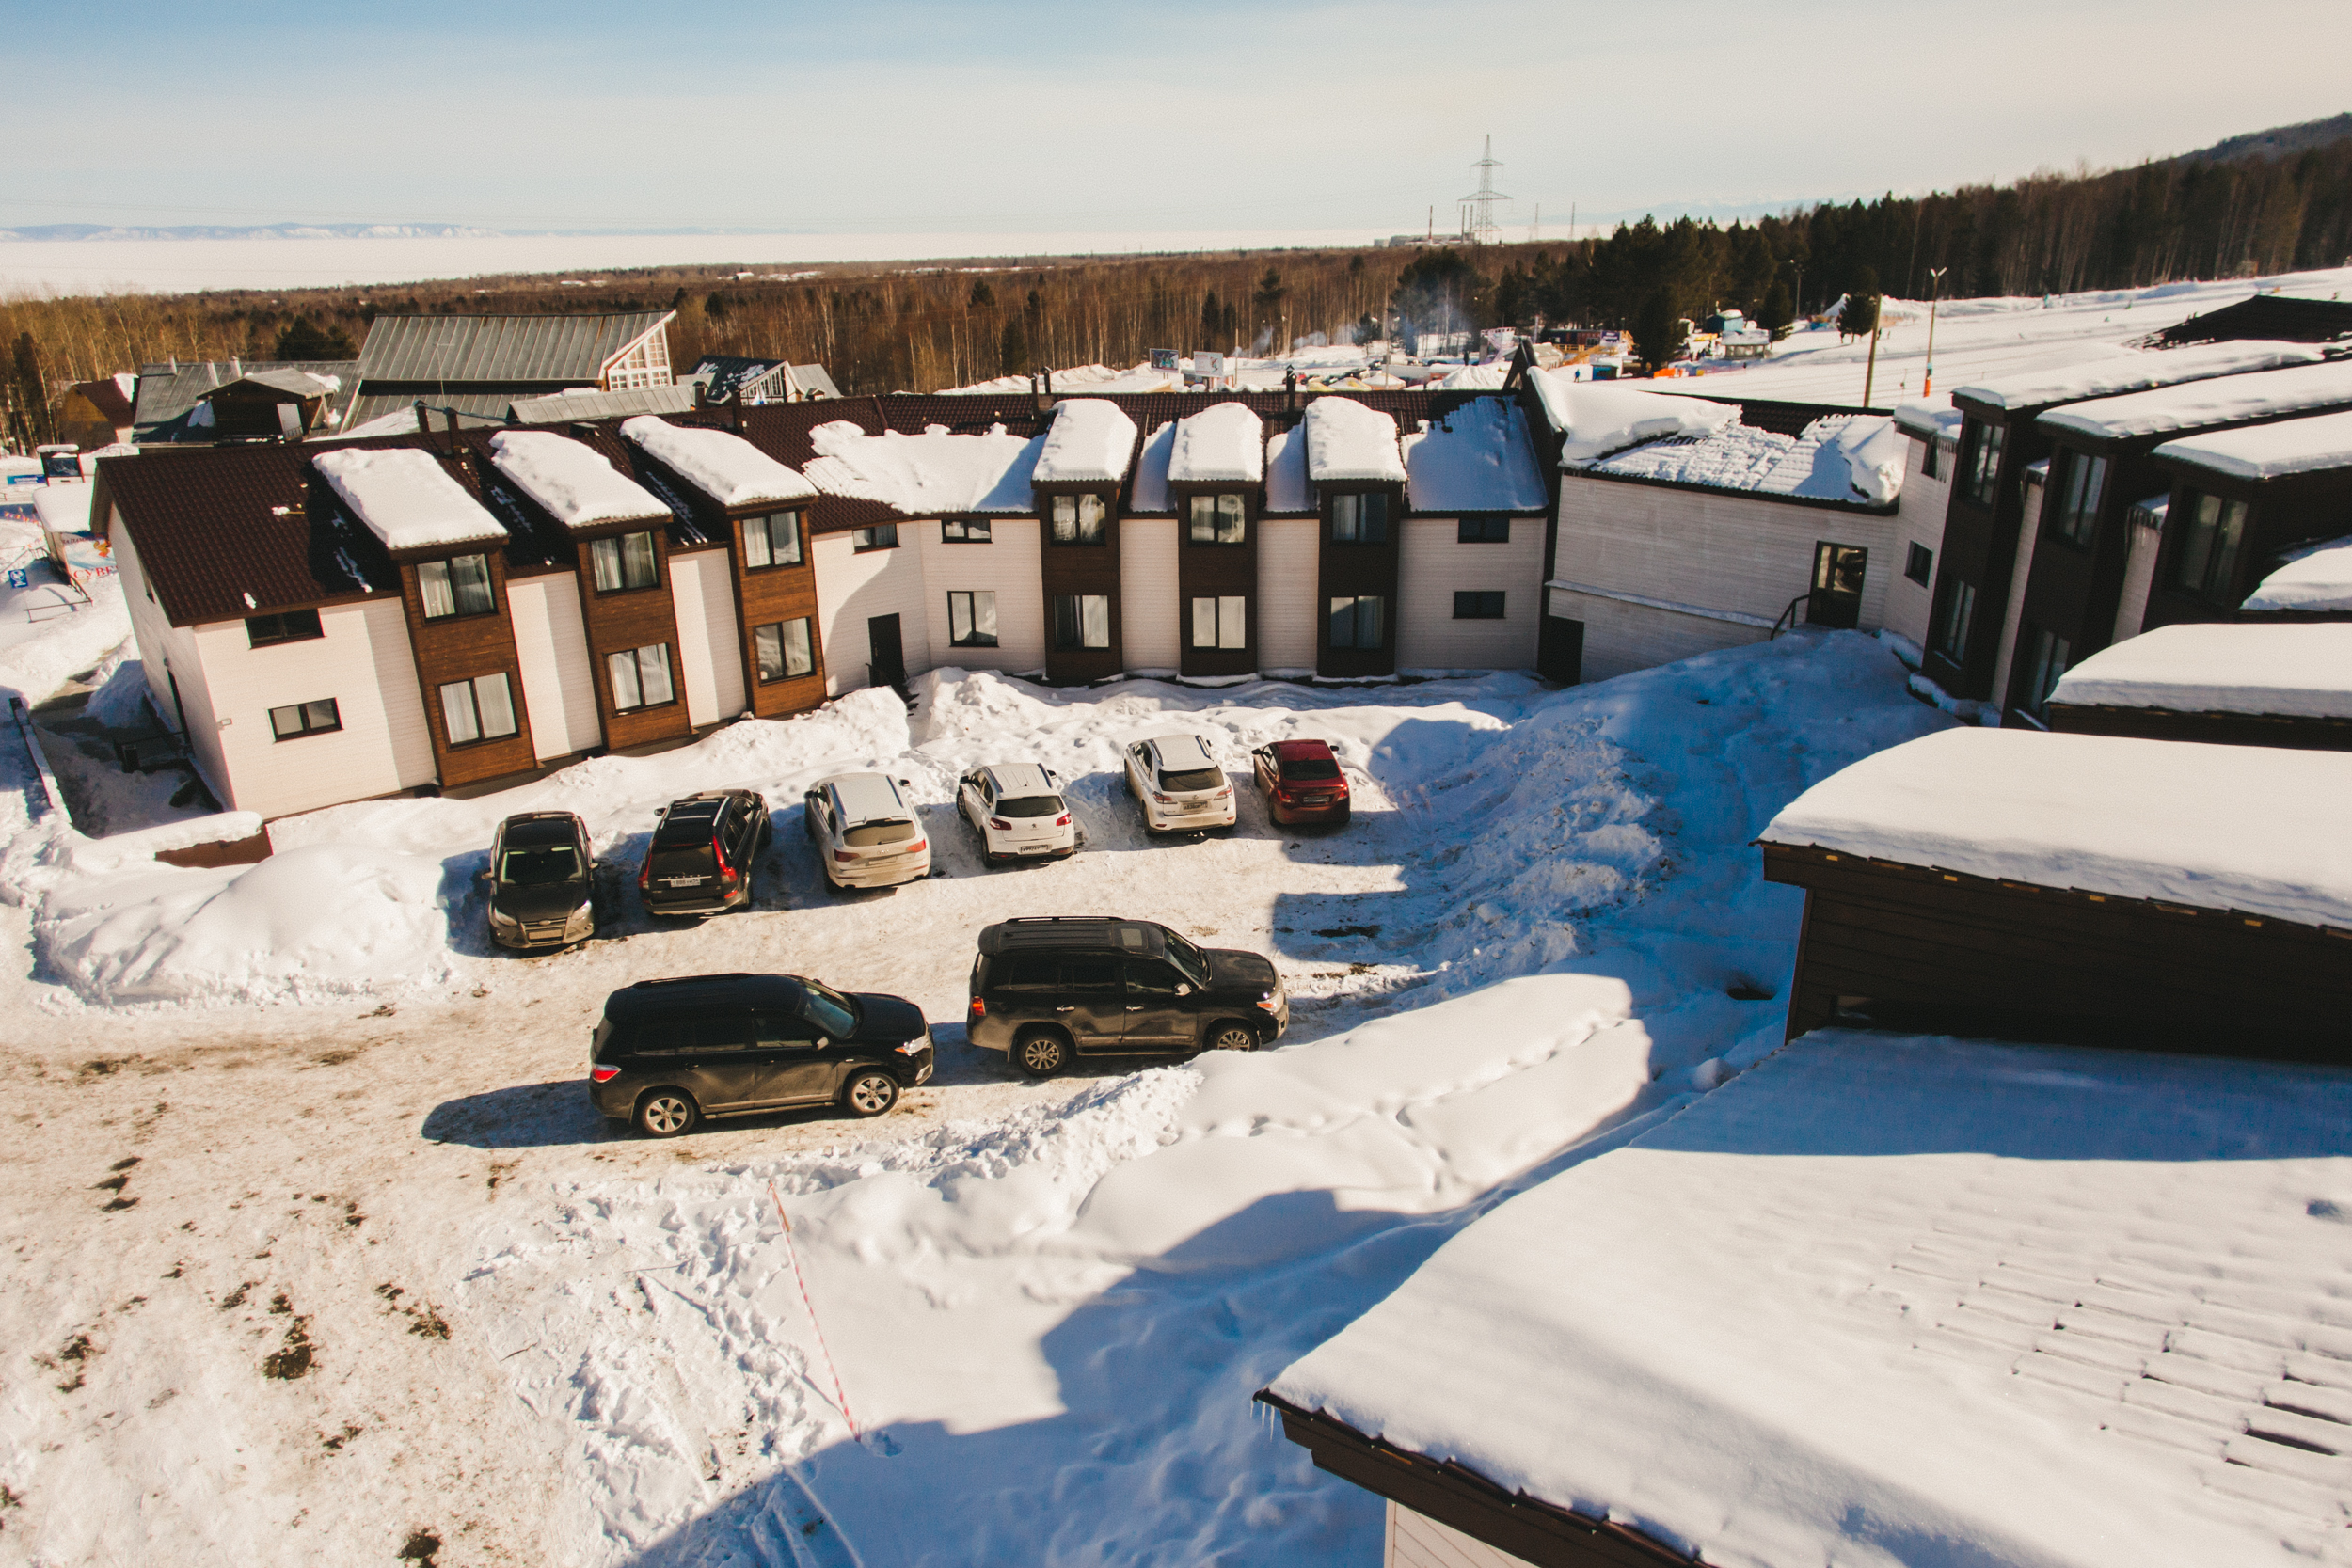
(1560, 650)
(886, 664)
(1835, 601)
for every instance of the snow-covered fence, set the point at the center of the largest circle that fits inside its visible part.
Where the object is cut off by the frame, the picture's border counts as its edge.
(38, 758)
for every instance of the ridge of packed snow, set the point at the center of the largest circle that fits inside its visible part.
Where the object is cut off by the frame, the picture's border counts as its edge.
(1150, 493)
(578, 485)
(1346, 441)
(2136, 371)
(2310, 445)
(2101, 814)
(1929, 417)
(1599, 418)
(2295, 669)
(719, 462)
(1853, 458)
(1089, 443)
(1223, 444)
(2314, 576)
(937, 473)
(407, 499)
(2216, 400)
(1287, 491)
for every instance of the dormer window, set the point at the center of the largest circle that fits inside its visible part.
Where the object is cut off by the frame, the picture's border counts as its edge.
(1361, 520)
(772, 541)
(1218, 520)
(458, 586)
(1079, 519)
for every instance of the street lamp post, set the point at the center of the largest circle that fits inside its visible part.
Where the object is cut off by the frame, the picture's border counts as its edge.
(1935, 289)
(1800, 267)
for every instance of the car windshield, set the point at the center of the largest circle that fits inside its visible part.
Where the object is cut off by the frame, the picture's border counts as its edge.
(867, 834)
(1029, 805)
(539, 865)
(1184, 955)
(831, 1011)
(1197, 778)
(1311, 768)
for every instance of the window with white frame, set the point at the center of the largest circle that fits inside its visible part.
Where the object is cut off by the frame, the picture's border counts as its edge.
(1222, 622)
(482, 708)
(783, 651)
(1078, 520)
(972, 619)
(1082, 621)
(1218, 520)
(641, 677)
(623, 562)
(458, 586)
(1359, 621)
(772, 541)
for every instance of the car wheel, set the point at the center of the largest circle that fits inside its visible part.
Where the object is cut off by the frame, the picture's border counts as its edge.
(1232, 1036)
(869, 1092)
(667, 1113)
(1041, 1053)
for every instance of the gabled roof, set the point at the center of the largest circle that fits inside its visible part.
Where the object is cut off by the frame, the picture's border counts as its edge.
(166, 392)
(726, 372)
(2280, 316)
(294, 383)
(563, 407)
(109, 397)
(490, 350)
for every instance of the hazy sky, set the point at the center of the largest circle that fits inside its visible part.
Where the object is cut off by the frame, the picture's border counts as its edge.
(1099, 117)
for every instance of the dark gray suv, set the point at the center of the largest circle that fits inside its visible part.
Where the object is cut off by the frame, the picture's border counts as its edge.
(1045, 989)
(669, 1053)
(699, 860)
(540, 881)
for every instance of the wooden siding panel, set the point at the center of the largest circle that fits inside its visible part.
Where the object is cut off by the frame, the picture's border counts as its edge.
(1216, 571)
(771, 594)
(463, 648)
(1417, 1540)
(635, 617)
(2217, 729)
(1093, 570)
(1289, 618)
(1148, 594)
(1009, 568)
(1349, 571)
(551, 645)
(855, 586)
(1437, 565)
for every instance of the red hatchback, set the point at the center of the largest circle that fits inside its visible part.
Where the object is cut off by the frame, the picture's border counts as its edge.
(1301, 782)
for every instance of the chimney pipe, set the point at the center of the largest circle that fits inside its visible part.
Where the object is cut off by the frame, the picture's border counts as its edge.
(424, 421)
(735, 405)
(1290, 389)
(702, 396)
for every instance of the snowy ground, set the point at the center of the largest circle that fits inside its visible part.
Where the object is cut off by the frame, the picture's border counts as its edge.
(312, 1281)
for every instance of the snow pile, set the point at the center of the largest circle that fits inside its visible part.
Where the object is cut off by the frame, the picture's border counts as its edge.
(1347, 442)
(1855, 458)
(577, 485)
(1286, 486)
(1223, 444)
(2315, 578)
(1089, 443)
(407, 499)
(1150, 493)
(1874, 454)
(2112, 374)
(64, 508)
(120, 701)
(1477, 458)
(2299, 670)
(1600, 418)
(1906, 1300)
(2214, 401)
(1931, 417)
(719, 462)
(936, 474)
(2313, 445)
(2101, 814)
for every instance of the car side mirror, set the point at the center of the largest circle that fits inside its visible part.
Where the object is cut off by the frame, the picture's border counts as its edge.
(1182, 990)
(483, 876)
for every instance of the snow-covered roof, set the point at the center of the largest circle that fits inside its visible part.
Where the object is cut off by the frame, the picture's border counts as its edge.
(63, 508)
(1478, 458)
(1853, 458)
(2112, 375)
(1223, 444)
(1089, 443)
(2199, 405)
(407, 499)
(1286, 486)
(719, 462)
(1887, 1299)
(1348, 442)
(2100, 814)
(1931, 417)
(2298, 669)
(2312, 445)
(572, 480)
(1150, 493)
(1599, 417)
(935, 474)
(2315, 577)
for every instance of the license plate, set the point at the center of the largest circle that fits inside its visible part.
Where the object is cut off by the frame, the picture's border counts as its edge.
(683, 881)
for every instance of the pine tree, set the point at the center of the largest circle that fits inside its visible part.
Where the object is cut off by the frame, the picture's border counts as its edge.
(1658, 331)
(983, 297)
(1013, 349)
(1777, 311)
(1860, 317)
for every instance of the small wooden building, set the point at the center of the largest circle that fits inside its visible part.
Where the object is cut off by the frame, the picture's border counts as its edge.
(2081, 888)
(2241, 499)
(2232, 683)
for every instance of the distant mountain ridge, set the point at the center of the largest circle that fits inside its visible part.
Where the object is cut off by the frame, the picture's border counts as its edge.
(2279, 141)
(260, 231)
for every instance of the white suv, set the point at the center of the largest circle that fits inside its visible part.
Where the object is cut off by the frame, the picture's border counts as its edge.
(1179, 783)
(1018, 810)
(867, 834)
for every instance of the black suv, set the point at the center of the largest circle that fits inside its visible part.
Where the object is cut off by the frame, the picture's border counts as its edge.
(670, 1052)
(699, 860)
(540, 879)
(1044, 988)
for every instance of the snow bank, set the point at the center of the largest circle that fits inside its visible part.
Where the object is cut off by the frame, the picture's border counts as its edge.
(1914, 1300)
(64, 508)
(1223, 444)
(2111, 374)
(1874, 455)
(1347, 440)
(578, 485)
(719, 462)
(2312, 445)
(407, 499)
(2300, 669)
(936, 474)
(1857, 459)
(1089, 443)
(1478, 458)
(2217, 399)
(120, 851)
(1600, 418)
(2318, 577)
(2101, 813)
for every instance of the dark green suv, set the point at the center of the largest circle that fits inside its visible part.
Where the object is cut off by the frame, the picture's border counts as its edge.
(1045, 989)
